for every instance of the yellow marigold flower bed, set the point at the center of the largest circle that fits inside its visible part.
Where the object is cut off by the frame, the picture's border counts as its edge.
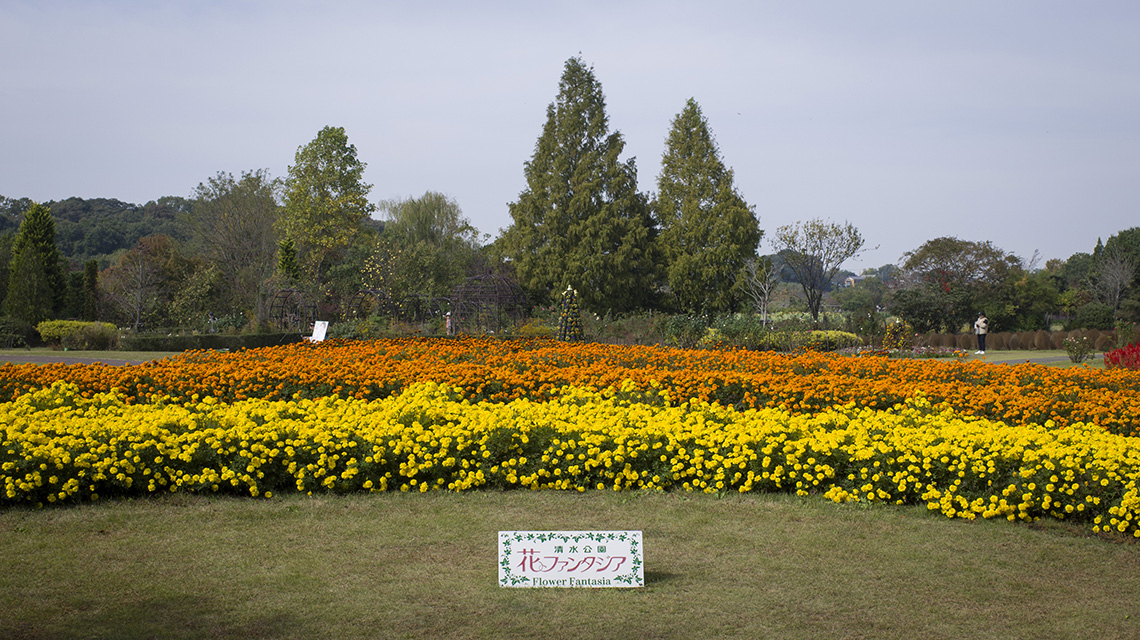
(62, 445)
(505, 370)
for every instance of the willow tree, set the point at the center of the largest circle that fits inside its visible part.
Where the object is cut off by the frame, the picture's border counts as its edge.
(708, 231)
(581, 220)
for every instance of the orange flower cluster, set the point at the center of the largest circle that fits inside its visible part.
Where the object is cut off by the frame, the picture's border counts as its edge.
(503, 370)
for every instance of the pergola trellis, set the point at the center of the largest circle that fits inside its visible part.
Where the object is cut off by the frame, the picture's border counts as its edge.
(291, 310)
(482, 303)
(488, 303)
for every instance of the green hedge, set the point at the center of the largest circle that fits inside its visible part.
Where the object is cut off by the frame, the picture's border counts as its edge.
(79, 334)
(144, 342)
(16, 334)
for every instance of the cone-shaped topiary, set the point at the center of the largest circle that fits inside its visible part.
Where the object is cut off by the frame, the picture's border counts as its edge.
(569, 317)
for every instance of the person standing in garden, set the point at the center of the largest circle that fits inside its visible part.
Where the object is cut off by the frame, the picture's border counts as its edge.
(981, 325)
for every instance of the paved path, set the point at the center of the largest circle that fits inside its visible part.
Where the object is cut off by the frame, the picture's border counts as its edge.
(48, 359)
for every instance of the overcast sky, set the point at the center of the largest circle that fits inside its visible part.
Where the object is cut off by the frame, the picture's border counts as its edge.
(1015, 122)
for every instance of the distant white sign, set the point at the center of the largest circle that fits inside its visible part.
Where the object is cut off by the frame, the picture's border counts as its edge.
(571, 559)
(320, 328)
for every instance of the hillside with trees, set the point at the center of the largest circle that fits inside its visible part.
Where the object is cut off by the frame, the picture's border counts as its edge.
(253, 252)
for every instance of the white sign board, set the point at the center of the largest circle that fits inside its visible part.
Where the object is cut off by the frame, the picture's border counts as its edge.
(579, 559)
(320, 328)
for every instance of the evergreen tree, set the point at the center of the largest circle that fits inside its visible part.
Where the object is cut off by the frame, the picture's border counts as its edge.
(36, 284)
(581, 220)
(326, 200)
(708, 231)
(91, 290)
(73, 300)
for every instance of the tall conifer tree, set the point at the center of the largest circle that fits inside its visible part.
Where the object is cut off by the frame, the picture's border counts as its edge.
(581, 221)
(36, 284)
(708, 231)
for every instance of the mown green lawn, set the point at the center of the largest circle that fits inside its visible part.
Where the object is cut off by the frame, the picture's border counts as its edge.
(424, 566)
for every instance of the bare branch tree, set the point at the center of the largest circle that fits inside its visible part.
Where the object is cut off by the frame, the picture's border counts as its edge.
(759, 282)
(1113, 275)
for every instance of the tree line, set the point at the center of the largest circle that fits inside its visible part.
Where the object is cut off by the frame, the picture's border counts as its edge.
(694, 245)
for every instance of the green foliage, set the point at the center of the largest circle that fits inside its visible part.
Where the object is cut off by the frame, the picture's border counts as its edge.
(708, 231)
(1094, 315)
(7, 239)
(581, 219)
(36, 283)
(73, 296)
(827, 341)
(569, 317)
(90, 290)
(358, 329)
(79, 334)
(685, 331)
(950, 280)
(814, 251)
(863, 303)
(287, 266)
(426, 248)
(1126, 333)
(746, 331)
(16, 333)
(145, 283)
(326, 200)
(96, 228)
(233, 229)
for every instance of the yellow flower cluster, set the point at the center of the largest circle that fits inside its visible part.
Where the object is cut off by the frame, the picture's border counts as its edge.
(59, 445)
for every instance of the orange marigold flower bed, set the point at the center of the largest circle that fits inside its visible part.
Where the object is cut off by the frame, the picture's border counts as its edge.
(502, 370)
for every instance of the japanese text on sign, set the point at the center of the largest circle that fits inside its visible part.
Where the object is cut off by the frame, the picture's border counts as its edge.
(571, 559)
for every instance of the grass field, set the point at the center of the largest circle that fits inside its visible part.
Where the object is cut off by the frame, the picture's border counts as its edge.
(424, 566)
(45, 354)
(1053, 358)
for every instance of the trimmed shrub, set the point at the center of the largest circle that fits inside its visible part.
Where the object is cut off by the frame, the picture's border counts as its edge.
(828, 340)
(1105, 342)
(1041, 340)
(998, 341)
(1057, 339)
(95, 336)
(79, 334)
(1014, 342)
(1094, 315)
(966, 341)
